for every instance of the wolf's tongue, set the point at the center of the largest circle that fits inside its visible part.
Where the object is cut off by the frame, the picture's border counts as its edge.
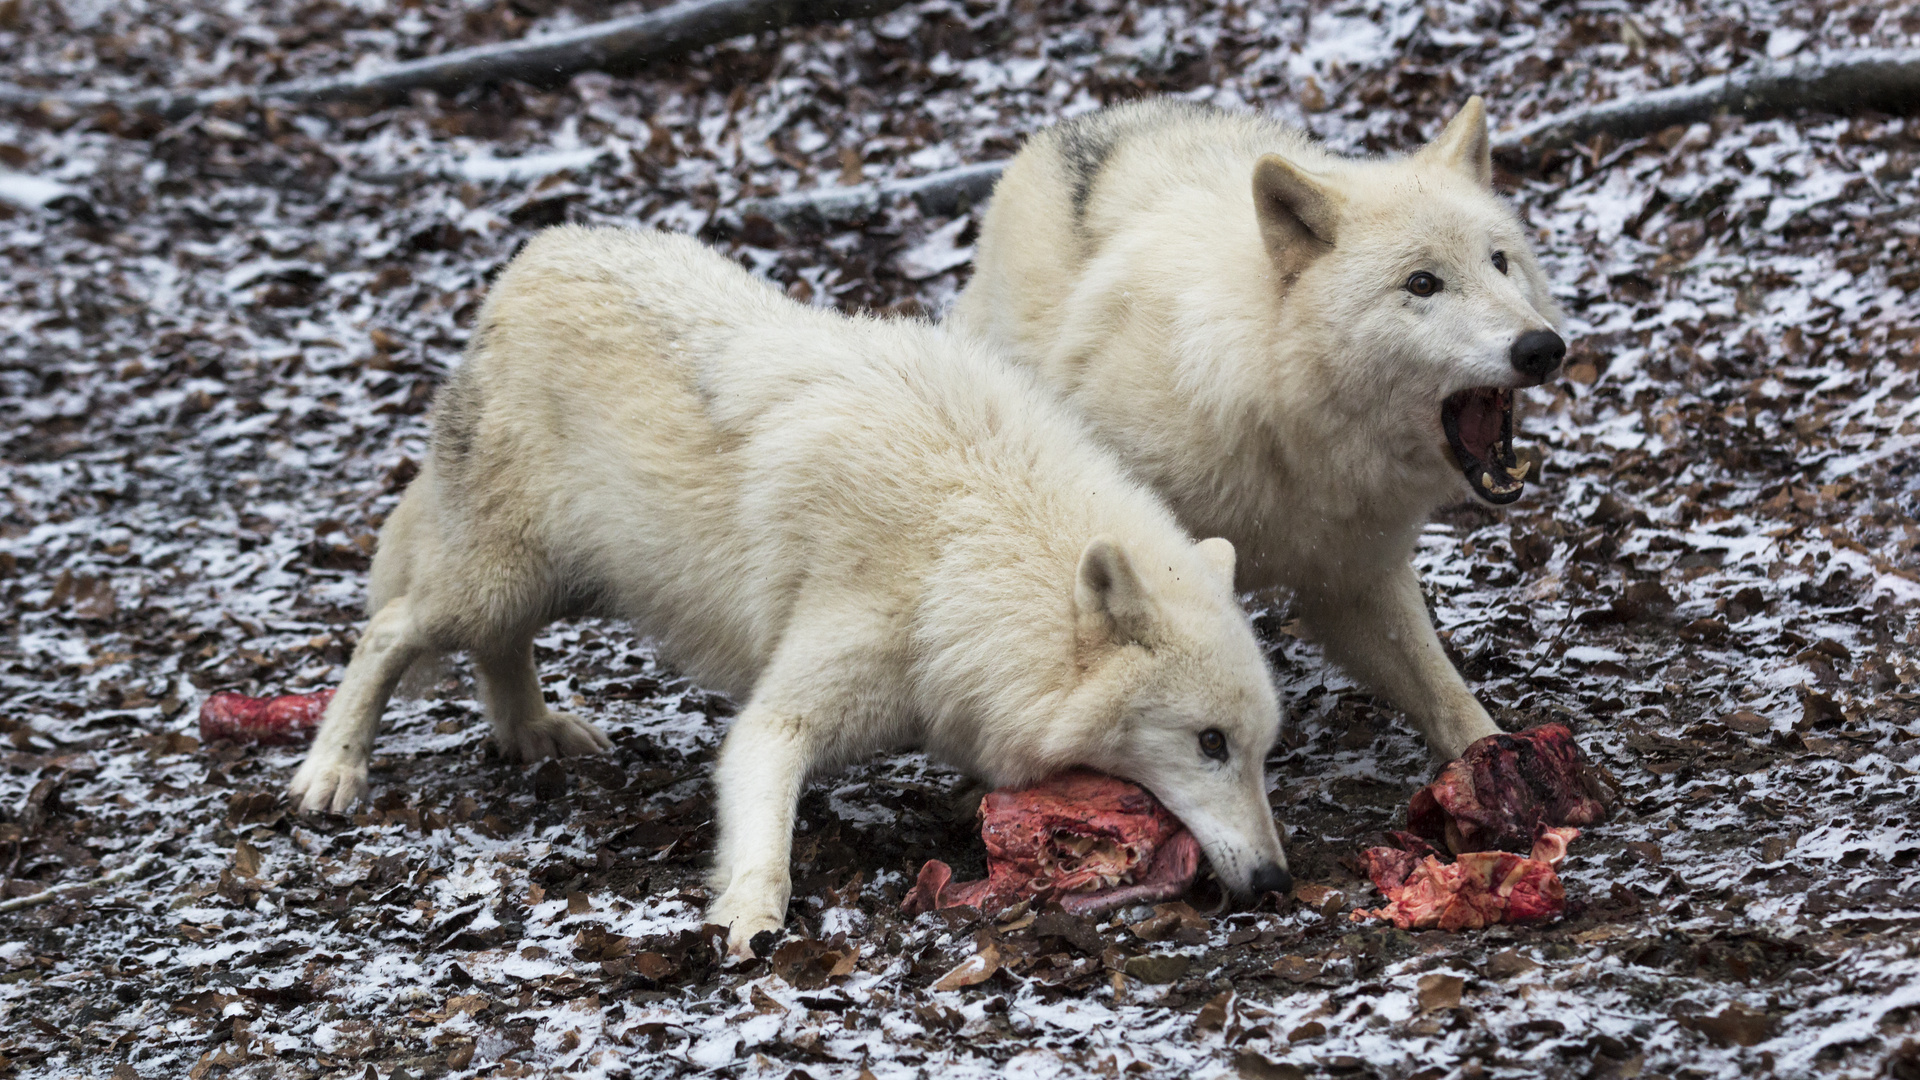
(1480, 422)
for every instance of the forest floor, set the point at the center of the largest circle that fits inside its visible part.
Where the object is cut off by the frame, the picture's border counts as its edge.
(219, 338)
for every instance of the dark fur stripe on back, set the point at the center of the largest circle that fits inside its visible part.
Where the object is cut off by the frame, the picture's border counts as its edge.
(457, 417)
(1087, 142)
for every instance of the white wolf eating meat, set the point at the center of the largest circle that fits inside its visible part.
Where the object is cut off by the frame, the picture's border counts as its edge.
(1304, 353)
(871, 533)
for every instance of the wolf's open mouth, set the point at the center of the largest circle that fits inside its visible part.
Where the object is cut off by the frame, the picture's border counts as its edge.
(1479, 427)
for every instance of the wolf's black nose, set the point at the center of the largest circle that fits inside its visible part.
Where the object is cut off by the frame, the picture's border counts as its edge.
(1536, 353)
(1272, 878)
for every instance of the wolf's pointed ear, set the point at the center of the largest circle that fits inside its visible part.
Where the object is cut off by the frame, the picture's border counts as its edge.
(1218, 551)
(1299, 212)
(1109, 592)
(1464, 146)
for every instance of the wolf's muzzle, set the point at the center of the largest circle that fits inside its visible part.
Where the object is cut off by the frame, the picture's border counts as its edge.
(1537, 353)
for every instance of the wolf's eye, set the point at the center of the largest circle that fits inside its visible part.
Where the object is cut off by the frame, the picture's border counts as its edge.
(1423, 284)
(1500, 261)
(1213, 744)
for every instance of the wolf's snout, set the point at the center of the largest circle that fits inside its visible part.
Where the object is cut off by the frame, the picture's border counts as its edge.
(1271, 877)
(1536, 353)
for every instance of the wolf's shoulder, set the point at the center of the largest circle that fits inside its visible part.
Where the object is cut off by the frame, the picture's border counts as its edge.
(1134, 154)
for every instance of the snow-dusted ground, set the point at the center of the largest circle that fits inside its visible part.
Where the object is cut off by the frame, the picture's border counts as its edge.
(218, 338)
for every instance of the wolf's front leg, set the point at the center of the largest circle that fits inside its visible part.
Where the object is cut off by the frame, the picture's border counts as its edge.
(334, 775)
(1379, 633)
(763, 767)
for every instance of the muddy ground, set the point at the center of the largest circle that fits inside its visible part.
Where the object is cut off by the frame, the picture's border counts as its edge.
(219, 337)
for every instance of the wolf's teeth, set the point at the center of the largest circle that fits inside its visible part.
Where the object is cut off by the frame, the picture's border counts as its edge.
(1487, 481)
(1518, 470)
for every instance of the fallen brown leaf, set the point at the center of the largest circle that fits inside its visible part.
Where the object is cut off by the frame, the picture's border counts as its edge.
(594, 944)
(1322, 898)
(1734, 1025)
(806, 964)
(1438, 991)
(1156, 969)
(246, 859)
(653, 965)
(1213, 1015)
(972, 971)
(1252, 1065)
(1507, 963)
(1297, 969)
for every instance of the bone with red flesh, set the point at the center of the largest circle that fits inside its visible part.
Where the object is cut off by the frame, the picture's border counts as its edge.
(290, 718)
(1089, 841)
(1479, 889)
(1498, 794)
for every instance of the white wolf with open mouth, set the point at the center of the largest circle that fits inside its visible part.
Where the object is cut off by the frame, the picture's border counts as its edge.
(1306, 354)
(873, 534)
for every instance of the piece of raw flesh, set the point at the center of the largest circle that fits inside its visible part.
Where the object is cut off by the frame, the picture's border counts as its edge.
(1505, 787)
(1478, 889)
(290, 718)
(1514, 792)
(1089, 841)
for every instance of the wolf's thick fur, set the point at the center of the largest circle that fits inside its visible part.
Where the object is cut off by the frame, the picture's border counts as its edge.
(871, 533)
(1229, 306)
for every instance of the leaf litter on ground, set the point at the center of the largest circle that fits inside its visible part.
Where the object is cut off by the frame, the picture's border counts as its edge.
(218, 339)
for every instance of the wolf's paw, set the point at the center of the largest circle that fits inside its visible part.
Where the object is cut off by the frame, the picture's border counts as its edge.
(1447, 740)
(557, 734)
(329, 781)
(745, 916)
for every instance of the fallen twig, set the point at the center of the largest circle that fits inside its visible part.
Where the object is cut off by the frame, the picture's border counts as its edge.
(1849, 82)
(101, 882)
(940, 194)
(617, 46)
(1884, 80)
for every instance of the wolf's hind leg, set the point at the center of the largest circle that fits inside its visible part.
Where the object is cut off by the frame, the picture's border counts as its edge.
(524, 728)
(334, 775)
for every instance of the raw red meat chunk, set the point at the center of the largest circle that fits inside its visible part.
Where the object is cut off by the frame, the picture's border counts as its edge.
(1089, 841)
(1477, 890)
(1505, 787)
(290, 718)
(1506, 794)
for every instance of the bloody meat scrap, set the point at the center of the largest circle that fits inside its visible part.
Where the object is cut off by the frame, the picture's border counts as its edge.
(1513, 792)
(1478, 889)
(1089, 841)
(1499, 793)
(290, 718)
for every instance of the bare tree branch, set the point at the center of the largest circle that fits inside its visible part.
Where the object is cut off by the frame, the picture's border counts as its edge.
(58, 891)
(1844, 83)
(618, 46)
(940, 194)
